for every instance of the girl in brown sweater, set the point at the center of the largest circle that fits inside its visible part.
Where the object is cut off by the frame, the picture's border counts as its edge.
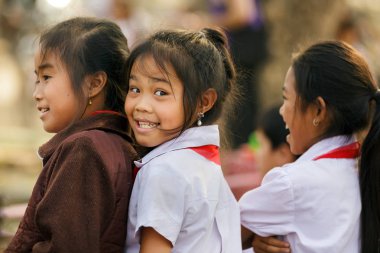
(80, 200)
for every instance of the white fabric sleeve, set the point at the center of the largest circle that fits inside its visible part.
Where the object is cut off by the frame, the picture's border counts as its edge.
(161, 201)
(269, 209)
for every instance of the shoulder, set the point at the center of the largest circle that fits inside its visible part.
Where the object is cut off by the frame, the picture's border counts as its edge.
(320, 171)
(88, 136)
(96, 147)
(181, 163)
(100, 141)
(293, 175)
(183, 171)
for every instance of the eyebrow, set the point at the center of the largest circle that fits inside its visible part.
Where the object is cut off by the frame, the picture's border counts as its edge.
(161, 79)
(44, 66)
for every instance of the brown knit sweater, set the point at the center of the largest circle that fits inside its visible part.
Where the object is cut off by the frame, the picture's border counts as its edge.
(80, 201)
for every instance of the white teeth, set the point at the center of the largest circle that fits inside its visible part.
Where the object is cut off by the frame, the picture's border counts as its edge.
(286, 127)
(147, 125)
(44, 110)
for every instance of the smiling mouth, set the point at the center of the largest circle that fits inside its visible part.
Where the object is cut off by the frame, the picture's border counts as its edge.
(43, 110)
(147, 125)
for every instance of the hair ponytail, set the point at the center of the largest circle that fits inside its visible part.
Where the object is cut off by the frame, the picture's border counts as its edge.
(369, 175)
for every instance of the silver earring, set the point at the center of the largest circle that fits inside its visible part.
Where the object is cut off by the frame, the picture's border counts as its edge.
(200, 116)
(315, 122)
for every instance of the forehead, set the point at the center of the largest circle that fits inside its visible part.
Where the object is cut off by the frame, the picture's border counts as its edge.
(289, 83)
(147, 65)
(47, 60)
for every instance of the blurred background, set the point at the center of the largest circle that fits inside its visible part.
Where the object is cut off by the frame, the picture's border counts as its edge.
(263, 35)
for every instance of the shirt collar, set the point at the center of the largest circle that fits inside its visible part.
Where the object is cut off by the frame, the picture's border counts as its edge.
(107, 122)
(325, 146)
(192, 137)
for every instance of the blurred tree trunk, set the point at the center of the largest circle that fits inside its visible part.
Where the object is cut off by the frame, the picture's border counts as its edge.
(293, 23)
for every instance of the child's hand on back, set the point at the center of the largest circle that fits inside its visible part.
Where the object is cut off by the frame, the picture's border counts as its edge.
(269, 245)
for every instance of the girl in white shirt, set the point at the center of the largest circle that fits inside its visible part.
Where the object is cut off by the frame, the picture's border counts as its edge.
(315, 202)
(179, 85)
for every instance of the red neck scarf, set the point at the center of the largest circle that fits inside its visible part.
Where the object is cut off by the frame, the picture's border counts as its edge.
(348, 151)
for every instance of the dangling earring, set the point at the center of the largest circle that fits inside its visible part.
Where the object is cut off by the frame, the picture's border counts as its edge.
(89, 101)
(200, 116)
(315, 122)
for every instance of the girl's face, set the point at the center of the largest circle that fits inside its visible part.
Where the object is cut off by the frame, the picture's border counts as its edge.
(268, 157)
(53, 93)
(264, 154)
(154, 103)
(302, 133)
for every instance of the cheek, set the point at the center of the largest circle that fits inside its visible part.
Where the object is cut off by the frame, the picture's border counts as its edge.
(128, 106)
(176, 116)
(288, 115)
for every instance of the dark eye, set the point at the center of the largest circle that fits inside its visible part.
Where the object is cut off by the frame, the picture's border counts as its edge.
(45, 78)
(160, 93)
(134, 90)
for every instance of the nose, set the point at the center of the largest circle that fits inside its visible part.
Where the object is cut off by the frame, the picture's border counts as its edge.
(281, 110)
(37, 93)
(144, 103)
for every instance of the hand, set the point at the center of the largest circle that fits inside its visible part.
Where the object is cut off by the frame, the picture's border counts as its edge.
(269, 245)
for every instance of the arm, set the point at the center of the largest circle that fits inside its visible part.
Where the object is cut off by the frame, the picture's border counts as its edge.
(269, 209)
(246, 237)
(78, 203)
(151, 241)
(26, 235)
(263, 244)
(160, 200)
(269, 245)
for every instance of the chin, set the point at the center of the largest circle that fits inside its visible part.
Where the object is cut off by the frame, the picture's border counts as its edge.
(49, 130)
(147, 143)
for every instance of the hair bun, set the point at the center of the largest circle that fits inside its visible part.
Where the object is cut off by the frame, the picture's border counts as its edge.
(217, 37)
(376, 96)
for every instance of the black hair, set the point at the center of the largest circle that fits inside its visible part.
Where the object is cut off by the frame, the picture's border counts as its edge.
(273, 126)
(339, 74)
(201, 60)
(86, 45)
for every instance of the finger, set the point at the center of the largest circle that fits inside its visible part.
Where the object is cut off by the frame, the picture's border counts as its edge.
(262, 247)
(257, 250)
(272, 249)
(276, 242)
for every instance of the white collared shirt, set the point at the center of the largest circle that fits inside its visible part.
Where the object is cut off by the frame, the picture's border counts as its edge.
(185, 198)
(315, 205)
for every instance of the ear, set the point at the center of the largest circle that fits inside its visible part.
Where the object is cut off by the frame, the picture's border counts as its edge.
(96, 83)
(321, 109)
(208, 100)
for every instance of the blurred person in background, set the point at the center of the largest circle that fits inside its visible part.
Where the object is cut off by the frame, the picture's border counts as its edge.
(244, 23)
(350, 29)
(273, 150)
(267, 149)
